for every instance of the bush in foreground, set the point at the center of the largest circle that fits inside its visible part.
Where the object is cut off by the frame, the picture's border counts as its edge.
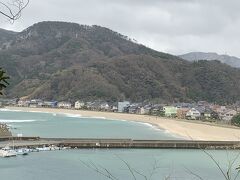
(236, 120)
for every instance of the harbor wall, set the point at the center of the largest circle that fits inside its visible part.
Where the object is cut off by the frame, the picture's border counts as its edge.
(118, 143)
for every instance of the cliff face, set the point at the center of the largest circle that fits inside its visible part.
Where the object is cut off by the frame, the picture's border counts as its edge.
(67, 61)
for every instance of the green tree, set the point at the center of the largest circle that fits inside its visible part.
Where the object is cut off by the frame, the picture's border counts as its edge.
(12, 11)
(3, 80)
(236, 120)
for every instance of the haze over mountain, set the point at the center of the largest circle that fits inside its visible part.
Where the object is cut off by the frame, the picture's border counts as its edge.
(67, 61)
(195, 56)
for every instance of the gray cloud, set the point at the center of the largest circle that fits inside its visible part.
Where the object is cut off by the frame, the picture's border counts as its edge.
(173, 26)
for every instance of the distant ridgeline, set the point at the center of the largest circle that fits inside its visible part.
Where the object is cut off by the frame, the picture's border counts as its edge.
(67, 61)
(195, 56)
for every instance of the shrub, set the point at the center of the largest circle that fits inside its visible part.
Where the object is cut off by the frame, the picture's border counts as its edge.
(236, 120)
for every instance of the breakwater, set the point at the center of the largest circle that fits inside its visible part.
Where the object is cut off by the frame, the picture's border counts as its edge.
(117, 143)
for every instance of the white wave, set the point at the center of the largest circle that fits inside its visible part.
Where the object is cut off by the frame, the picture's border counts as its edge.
(10, 110)
(14, 126)
(152, 126)
(72, 115)
(165, 131)
(147, 124)
(35, 112)
(93, 117)
(120, 120)
(83, 117)
(16, 120)
(40, 112)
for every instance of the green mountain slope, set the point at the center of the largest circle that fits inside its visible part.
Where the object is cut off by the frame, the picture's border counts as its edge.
(67, 61)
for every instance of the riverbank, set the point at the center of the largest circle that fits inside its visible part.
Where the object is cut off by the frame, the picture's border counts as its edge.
(188, 130)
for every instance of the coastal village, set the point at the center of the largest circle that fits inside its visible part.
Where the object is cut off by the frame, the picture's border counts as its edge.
(199, 111)
(119, 90)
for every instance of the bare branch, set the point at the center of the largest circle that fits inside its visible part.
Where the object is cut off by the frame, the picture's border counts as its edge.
(141, 174)
(194, 174)
(103, 172)
(232, 163)
(216, 163)
(129, 168)
(12, 11)
(155, 168)
(237, 175)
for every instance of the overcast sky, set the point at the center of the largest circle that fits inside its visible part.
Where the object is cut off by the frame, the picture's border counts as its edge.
(173, 26)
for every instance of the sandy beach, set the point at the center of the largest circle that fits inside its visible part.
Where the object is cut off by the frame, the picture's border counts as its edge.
(188, 130)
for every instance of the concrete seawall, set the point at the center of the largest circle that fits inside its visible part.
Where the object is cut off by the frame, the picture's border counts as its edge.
(118, 143)
(149, 144)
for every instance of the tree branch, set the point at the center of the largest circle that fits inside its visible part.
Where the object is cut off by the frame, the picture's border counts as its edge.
(12, 11)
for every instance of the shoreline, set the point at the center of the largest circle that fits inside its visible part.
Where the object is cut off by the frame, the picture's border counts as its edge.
(181, 128)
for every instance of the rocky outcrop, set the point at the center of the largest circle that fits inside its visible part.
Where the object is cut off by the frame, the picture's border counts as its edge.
(4, 131)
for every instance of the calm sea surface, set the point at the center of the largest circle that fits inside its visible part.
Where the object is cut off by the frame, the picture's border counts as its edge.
(76, 126)
(72, 164)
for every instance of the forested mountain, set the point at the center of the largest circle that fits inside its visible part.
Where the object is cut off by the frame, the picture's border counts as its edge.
(5, 36)
(196, 56)
(67, 61)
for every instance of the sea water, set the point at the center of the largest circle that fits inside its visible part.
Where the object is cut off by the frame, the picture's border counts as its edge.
(96, 164)
(76, 126)
(83, 164)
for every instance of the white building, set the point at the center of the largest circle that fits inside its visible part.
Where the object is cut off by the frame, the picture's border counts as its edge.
(104, 106)
(65, 105)
(34, 103)
(23, 103)
(193, 114)
(114, 109)
(122, 105)
(79, 104)
(221, 109)
(141, 110)
(227, 115)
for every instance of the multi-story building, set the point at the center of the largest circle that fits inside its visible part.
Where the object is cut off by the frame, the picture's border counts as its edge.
(170, 111)
(123, 105)
(79, 104)
(65, 105)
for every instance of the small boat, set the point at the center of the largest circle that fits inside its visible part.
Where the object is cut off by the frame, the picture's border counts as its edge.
(44, 149)
(49, 148)
(33, 150)
(54, 148)
(7, 152)
(22, 151)
(4, 153)
(66, 148)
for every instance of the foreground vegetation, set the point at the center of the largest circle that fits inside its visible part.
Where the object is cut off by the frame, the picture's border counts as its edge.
(236, 120)
(3, 80)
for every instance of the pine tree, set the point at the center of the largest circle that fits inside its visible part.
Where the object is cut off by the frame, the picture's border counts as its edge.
(3, 80)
